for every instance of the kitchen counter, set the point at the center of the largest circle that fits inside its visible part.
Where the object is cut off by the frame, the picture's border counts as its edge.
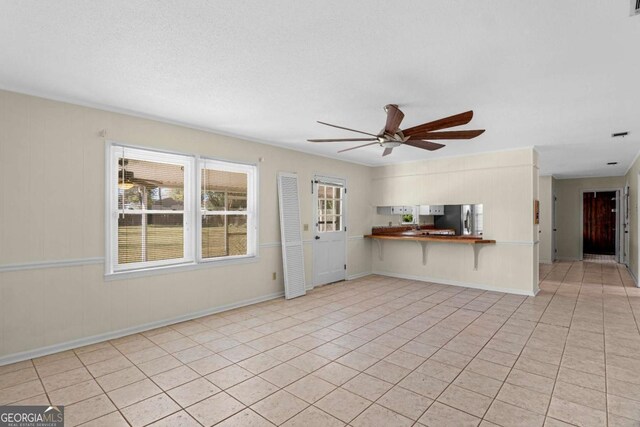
(424, 236)
(473, 240)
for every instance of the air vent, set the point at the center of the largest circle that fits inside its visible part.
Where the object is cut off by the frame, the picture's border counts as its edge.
(635, 7)
(620, 134)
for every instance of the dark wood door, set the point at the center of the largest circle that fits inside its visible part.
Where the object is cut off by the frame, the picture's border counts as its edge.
(599, 223)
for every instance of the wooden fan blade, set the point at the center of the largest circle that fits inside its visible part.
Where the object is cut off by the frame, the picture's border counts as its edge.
(341, 140)
(350, 130)
(447, 122)
(425, 145)
(452, 134)
(359, 146)
(387, 151)
(394, 118)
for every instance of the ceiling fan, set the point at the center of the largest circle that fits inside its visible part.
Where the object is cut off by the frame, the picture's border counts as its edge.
(392, 136)
(127, 180)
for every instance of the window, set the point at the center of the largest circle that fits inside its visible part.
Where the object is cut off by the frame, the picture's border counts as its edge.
(329, 208)
(161, 213)
(227, 206)
(151, 199)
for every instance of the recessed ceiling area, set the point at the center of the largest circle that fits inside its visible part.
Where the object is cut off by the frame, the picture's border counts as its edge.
(560, 76)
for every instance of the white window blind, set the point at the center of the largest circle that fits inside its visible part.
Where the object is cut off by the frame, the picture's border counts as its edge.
(227, 206)
(151, 200)
(168, 209)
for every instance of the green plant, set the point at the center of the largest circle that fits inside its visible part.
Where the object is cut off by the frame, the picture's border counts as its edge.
(407, 218)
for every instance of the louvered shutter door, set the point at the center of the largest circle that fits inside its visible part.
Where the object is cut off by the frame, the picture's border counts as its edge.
(291, 236)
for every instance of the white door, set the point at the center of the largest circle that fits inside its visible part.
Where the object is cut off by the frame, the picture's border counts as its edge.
(329, 244)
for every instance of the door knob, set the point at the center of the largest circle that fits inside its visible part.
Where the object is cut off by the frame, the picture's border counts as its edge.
(317, 237)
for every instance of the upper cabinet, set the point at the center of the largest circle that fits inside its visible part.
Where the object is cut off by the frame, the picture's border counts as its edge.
(431, 210)
(395, 210)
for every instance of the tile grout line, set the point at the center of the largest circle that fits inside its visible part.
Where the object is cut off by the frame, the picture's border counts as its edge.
(462, 370)
(382, 292)
(564, 346)
(538, 322)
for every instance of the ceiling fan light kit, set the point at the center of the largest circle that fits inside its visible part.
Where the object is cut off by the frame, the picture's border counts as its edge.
(391, 136)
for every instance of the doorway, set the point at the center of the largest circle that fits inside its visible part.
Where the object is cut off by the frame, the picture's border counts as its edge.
(329, 244)
(599, 224)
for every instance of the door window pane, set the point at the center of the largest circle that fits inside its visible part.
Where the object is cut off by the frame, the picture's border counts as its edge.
(329, 208)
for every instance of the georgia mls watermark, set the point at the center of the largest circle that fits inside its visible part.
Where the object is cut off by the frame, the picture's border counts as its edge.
(32, 416)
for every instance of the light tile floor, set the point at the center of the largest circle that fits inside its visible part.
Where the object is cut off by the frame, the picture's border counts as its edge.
(599, 258)
(376, 351)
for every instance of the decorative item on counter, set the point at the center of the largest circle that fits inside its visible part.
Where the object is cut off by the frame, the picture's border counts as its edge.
(407, 219)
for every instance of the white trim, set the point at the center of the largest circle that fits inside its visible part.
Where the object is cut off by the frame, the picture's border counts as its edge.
(188, 163)
(441, 281)
(358, 275)
(337, 181)
(73, 262)
(270, 245)
(633, 276)
(81, 342)
(251, 171)
(618, 242)
(51, 264)
(159, 119)
(178, 268)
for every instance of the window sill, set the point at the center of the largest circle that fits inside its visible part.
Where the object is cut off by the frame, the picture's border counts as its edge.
(177, 268)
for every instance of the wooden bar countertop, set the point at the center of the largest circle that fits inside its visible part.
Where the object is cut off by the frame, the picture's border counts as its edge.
(427, 235)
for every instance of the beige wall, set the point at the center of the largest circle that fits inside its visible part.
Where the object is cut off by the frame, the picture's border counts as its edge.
(52, 209)
(52, 287)
(569, 211)
(545, 235)
(506, 183)
(631, 179)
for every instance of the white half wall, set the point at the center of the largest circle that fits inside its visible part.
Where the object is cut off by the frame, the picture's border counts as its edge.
(506, 183)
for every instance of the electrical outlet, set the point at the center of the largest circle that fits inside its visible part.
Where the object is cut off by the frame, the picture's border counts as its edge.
(273, 276)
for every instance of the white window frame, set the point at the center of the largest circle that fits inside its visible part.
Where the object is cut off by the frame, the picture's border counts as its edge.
(192, 211)
(187, 162)
(252, 218)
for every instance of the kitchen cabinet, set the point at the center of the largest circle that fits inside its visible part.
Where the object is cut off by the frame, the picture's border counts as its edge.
(395, 210)
(431, 210)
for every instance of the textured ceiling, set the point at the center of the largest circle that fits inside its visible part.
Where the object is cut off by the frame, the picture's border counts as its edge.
(557, 75)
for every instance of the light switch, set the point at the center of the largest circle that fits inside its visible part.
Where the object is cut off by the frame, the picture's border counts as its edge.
(306, 227)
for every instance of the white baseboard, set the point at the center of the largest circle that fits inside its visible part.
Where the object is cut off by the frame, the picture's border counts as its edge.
(359, 275)
(81, 342)
(442, 281)
(351, 277)
(633, 276)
